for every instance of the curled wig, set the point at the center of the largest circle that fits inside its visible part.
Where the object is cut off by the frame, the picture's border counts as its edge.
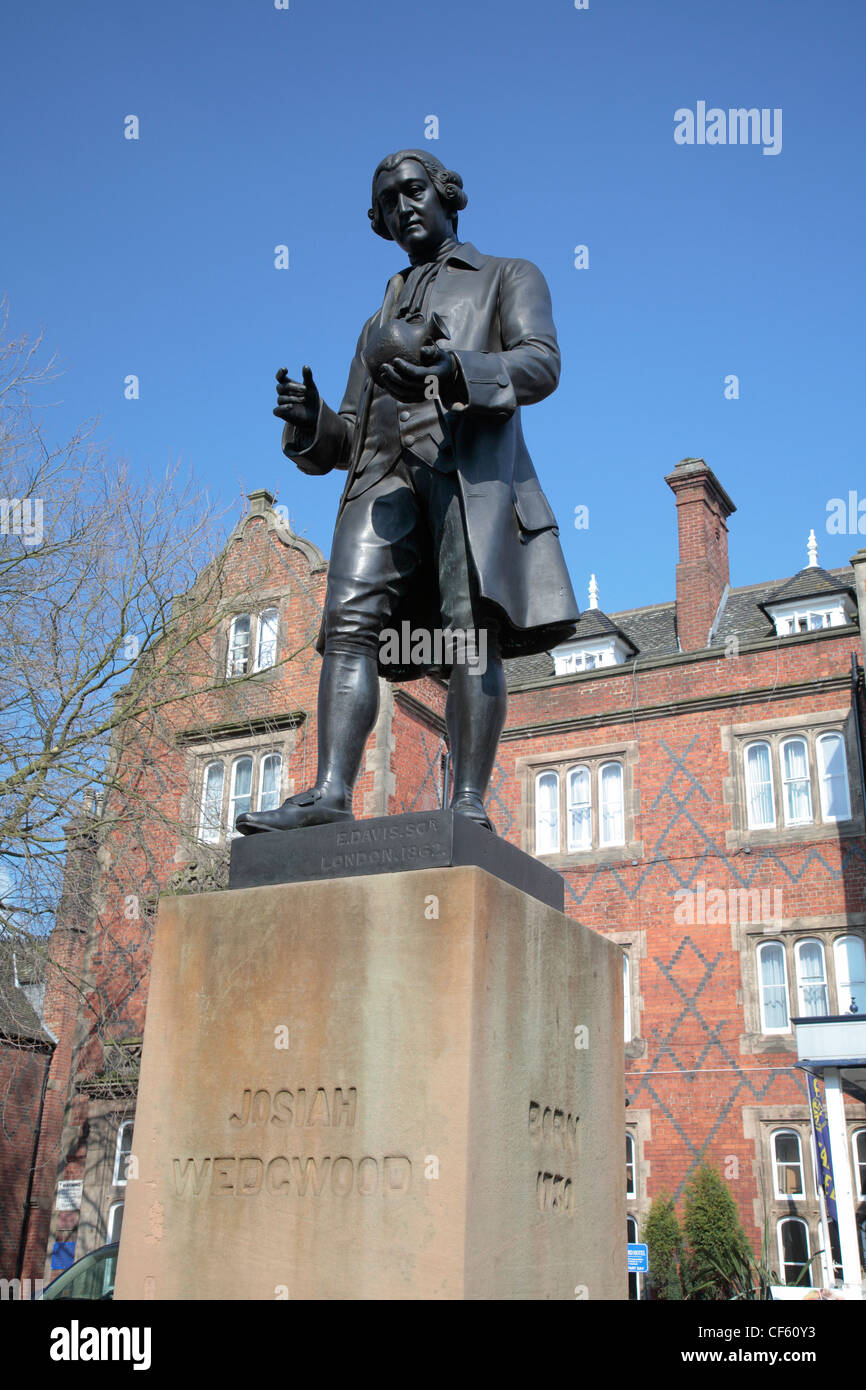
(447, 182)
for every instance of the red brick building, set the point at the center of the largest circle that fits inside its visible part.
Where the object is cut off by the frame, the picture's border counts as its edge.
(26, 1049)
(693, 768)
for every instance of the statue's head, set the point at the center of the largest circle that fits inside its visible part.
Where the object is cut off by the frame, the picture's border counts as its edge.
(445, 183)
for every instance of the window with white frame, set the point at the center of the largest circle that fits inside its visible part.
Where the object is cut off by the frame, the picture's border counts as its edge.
(252, 634)
(611, 804)
(811, 979)
(796, 786)
(570, 662)
(547, 813)
(793, 1240)
(232, 786)
(788, 1176)
(759, 786)
(589, 655)
(588, 798)
(579, 798)
(849, 956)
(238, 660)
(858, 1150)
(809, 616)
(114, 1223)
(241, 790)
(630, 1168)
(269, 782)
(773, 988)
(833, 778)
(266, 640)
(819, 990)
(122, 1151)
(210, 820)
(794, 780)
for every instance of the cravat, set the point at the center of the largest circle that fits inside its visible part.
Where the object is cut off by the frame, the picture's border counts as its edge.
(415, 295)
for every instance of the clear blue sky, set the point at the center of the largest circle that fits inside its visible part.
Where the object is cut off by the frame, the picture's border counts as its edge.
(261, 126)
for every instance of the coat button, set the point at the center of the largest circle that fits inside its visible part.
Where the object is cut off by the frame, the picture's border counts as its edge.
(408, 439)
(404, 415)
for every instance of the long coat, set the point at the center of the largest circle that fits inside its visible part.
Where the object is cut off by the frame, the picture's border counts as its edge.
(498, 315)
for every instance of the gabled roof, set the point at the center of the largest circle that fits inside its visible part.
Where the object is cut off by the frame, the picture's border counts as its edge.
(594, 623)
(18, 1018)
(811, 582)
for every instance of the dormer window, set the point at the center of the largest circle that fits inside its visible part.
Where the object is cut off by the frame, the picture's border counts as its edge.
(574, 657)
(598, 642)
(812, 600)
(809, 619)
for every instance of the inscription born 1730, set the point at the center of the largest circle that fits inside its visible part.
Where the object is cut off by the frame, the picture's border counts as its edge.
(557, 1129)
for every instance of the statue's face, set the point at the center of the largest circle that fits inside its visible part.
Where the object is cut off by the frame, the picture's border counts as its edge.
(411, 209)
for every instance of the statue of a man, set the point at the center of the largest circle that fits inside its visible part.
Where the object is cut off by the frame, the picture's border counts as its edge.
(442, 522)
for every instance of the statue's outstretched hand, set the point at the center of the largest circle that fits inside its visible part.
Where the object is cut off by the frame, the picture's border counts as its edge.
(297, 402)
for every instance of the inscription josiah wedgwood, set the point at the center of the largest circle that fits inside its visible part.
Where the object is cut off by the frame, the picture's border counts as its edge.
(300, 1175)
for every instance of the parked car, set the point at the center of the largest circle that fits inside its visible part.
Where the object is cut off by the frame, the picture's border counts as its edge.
(90, 1277)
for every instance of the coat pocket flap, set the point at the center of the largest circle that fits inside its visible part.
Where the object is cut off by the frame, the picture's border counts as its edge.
(533, 509)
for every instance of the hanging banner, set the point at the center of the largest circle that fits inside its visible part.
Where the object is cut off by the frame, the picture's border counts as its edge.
(824, 1163)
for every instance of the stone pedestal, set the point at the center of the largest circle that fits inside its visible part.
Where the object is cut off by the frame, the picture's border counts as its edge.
(401, 1086)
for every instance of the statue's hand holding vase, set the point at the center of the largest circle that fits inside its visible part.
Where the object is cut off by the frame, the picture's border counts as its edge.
(404, 358)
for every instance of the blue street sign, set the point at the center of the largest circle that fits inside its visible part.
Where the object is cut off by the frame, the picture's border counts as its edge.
(638, 1259)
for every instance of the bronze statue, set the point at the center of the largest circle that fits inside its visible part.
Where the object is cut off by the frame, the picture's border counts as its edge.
(442, 522)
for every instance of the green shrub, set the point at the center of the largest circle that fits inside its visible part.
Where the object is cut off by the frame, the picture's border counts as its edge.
(665, 1241)
(717, 1249)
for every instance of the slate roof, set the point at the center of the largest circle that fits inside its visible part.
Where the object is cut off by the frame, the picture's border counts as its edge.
(652, 630)
(18, 1018)
(594, 623)
(522, 669)
(811, 582)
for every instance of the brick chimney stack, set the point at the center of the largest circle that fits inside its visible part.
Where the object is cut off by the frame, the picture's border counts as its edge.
(703, 508)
